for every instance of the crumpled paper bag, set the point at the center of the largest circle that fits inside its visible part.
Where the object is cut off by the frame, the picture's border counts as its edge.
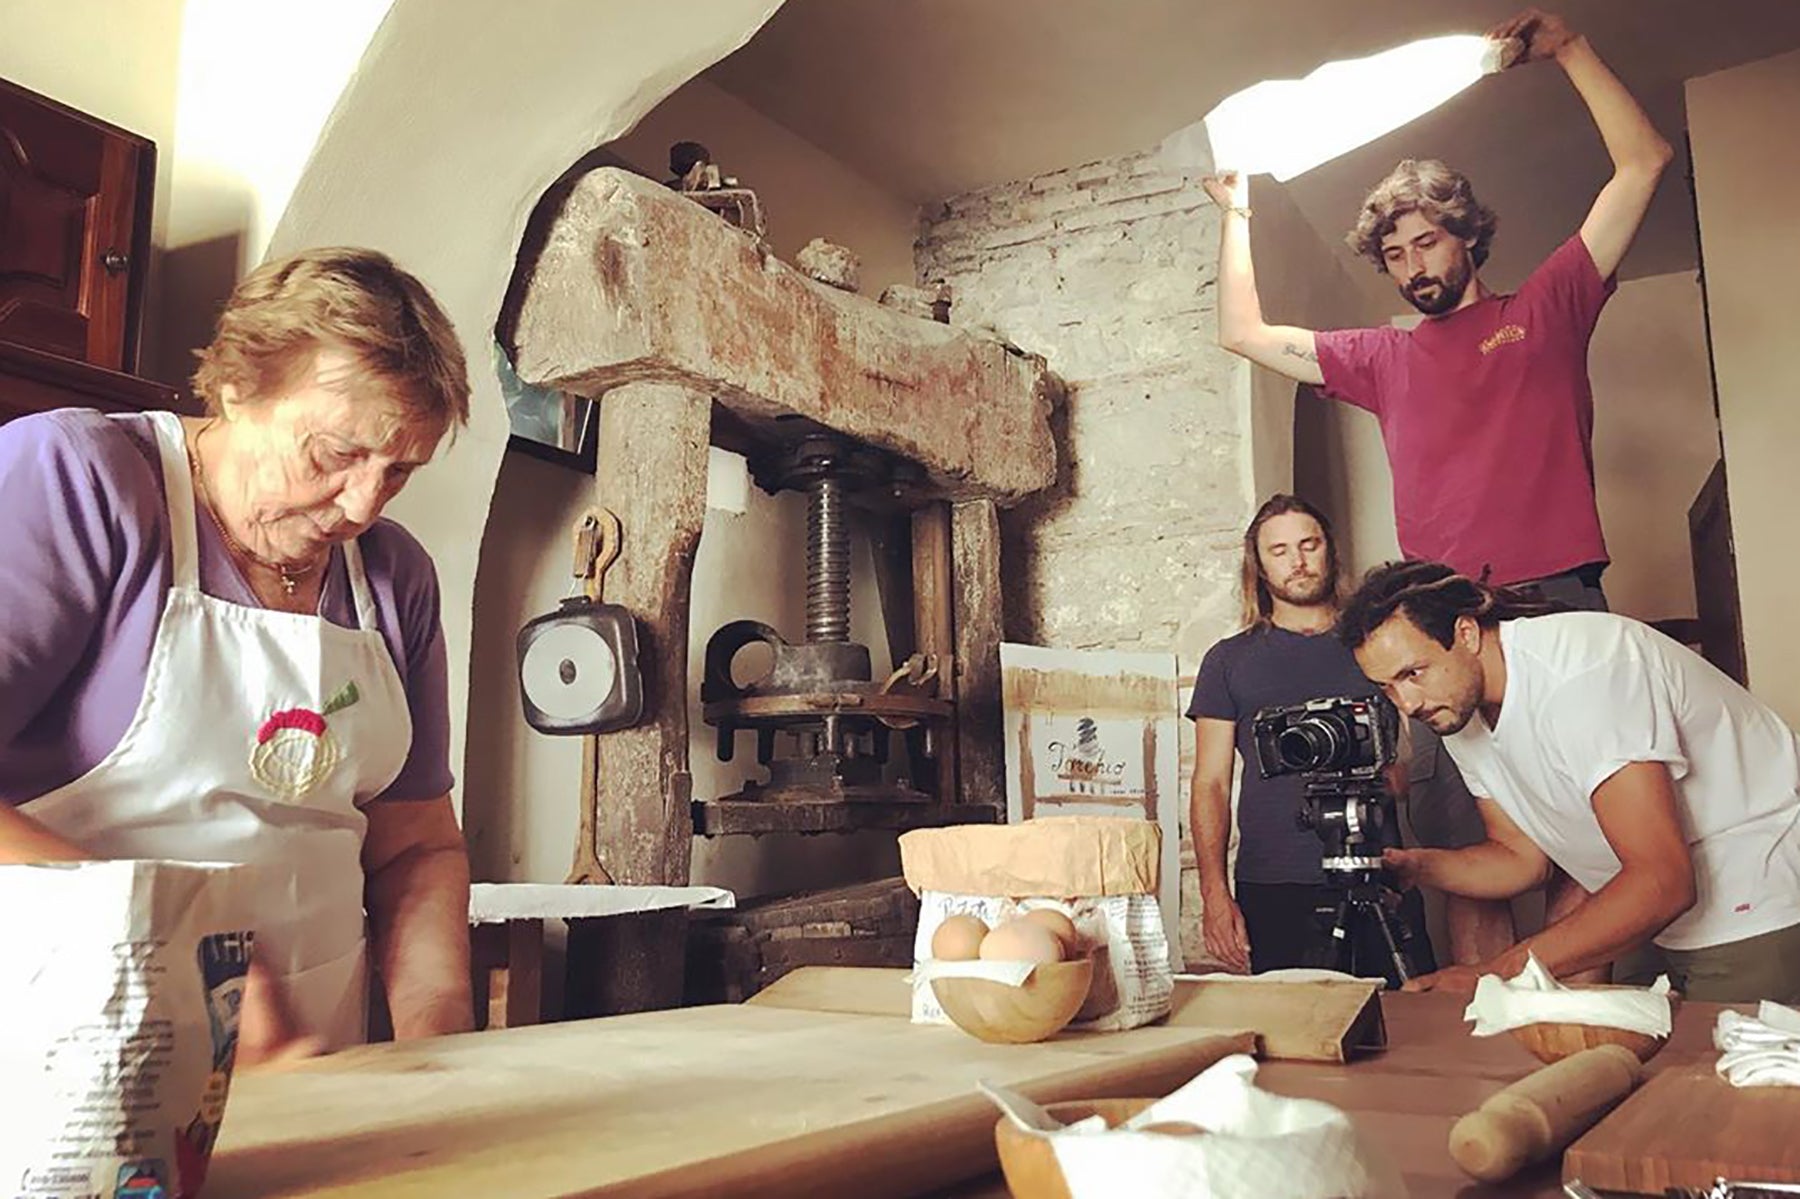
(1252, 1143)
(122, 982)
(1759, 1051)
(1532, 996)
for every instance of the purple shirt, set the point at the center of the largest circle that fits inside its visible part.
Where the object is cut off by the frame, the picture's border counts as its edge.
(1489, 423)
(85, 551)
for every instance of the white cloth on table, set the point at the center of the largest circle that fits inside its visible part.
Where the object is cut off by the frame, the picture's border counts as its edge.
(1759, 1051)
(1254, 1143)
(1532, 996)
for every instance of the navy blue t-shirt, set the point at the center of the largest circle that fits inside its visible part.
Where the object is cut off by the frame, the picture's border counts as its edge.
(1258, 668)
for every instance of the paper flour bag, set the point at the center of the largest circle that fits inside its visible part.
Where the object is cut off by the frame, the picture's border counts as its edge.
(120, 984)
(1101, 872)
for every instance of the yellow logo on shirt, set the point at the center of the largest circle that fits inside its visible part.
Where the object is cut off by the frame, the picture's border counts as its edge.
(1505, 335)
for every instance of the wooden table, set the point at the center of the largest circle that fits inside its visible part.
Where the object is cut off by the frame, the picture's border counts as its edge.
(820, 1087)
(741, 1101)
(1408, 1095)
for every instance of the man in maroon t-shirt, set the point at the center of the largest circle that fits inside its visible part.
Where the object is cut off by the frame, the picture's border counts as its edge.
(1485, 408)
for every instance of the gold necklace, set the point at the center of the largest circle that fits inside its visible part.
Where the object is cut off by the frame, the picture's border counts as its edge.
(290, 576)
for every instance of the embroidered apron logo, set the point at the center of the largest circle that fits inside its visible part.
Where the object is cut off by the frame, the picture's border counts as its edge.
(294, 752)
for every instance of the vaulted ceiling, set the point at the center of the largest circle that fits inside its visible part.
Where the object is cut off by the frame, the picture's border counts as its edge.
(929, 98)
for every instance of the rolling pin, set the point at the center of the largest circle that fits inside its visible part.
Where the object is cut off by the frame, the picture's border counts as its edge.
(1542, 1112)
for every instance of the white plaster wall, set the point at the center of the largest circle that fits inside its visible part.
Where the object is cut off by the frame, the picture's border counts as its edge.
(1655, 439)
(1741, 126)
(256, 82)
(459, 115)
(805, 192)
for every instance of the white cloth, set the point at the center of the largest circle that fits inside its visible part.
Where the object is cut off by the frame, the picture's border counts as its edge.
(207, 770)
(1532, 996)
(1286, 127)
(1254, 1143)
(496, 903)
(1763, 1051)
(1588, 693)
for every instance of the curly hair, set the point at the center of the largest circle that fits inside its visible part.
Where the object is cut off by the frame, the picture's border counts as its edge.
(1436, 192)
(1434, 597)
(281, 314)
(1257, 605)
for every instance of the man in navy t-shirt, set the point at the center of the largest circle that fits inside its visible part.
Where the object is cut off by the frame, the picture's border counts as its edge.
(1485, 407)
(1285, 655)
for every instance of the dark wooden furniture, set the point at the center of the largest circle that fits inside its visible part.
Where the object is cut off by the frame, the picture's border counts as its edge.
(75, 197)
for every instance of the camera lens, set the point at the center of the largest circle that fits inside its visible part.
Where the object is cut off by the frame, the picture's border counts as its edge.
(1314, 743)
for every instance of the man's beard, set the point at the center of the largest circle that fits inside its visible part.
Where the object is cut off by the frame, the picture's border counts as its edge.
(1444, 294)
(1304, 592)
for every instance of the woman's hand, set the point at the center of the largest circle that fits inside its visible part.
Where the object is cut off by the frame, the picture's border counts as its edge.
(268, 1035)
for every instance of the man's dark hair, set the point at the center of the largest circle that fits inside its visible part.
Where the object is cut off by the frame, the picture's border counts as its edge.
(1434, 597)
(1438, 193)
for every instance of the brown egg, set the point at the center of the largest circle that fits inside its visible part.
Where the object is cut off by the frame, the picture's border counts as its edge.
(958, 938)
(1061, 925)
(1021, 941)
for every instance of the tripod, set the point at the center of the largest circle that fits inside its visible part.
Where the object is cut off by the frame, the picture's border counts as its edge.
(1348, 814)
(1360, 905)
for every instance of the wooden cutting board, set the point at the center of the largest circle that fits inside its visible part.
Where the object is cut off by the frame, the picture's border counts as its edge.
(1687, 1127)
(721, 1101)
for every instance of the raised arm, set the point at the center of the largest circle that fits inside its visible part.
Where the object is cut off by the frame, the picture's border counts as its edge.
(1284, 349)
(1639, 153)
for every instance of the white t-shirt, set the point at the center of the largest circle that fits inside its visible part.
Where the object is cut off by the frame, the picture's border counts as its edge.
(1588, 693)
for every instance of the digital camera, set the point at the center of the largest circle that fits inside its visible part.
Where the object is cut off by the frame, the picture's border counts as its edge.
(1335, 737)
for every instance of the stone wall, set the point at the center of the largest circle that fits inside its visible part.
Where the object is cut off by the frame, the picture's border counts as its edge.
(1107, 269)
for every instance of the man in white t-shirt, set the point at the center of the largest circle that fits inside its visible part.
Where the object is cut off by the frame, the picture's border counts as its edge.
(1592, 741)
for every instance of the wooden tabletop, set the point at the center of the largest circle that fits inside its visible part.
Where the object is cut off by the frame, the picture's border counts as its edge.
(1408, 1095)
(822, 1088)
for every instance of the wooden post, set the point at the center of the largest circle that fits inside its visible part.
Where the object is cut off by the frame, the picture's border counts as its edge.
(652, 474)
(934, 622)
(508, 958)
(976, 608)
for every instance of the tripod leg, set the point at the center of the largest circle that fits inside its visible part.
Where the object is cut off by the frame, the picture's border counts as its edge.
(1341, 948)
(1383, 921)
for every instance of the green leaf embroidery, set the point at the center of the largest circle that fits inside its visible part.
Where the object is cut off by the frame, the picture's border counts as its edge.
(344, 697)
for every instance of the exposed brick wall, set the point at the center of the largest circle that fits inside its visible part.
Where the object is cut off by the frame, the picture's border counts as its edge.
(1107, 269)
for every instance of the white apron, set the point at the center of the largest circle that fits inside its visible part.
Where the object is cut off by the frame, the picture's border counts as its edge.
(258, 736)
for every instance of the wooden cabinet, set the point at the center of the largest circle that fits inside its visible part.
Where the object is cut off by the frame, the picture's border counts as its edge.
(75, 196)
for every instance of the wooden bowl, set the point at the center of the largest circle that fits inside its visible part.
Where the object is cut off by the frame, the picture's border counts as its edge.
(1027, 1159)
(992, 1011)
(1554, 1041)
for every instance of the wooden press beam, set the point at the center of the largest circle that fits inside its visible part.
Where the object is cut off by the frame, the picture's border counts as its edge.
(652, 474)
(934, 624)
(976, 609)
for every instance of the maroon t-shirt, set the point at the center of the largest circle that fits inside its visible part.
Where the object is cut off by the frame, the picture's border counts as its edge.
(1488, 419)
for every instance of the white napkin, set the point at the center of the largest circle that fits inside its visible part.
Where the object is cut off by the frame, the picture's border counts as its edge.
(1533, 997)
(1254, 1143)
(1013, 974)
(1290, 974)
(1763, 1051)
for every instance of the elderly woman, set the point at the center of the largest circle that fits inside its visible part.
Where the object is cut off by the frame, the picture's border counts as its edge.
(215, 648)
